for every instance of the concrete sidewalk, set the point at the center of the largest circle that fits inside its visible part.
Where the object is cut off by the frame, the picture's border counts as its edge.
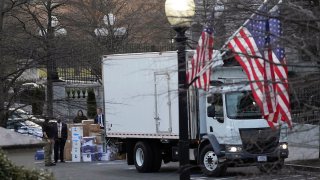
(304, 148)
(13, 140)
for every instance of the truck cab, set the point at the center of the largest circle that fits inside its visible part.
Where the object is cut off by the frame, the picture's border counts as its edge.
(234, 132)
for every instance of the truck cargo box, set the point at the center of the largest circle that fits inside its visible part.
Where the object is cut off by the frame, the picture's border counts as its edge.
(141, 95)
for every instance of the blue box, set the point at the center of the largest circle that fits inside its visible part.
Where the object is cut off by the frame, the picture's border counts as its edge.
(98, 156)
(88, 149)
(39, 155)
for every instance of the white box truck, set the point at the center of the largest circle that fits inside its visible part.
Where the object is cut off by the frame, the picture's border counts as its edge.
(226, 127)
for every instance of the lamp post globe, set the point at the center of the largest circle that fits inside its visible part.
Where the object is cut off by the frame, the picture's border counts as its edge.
(179, 14)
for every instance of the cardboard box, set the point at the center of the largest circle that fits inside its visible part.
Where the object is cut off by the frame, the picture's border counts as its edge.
(67, 151)
(99, 139)
(89, 121)
(94, 128)
(94, 133)
(86, 129)
(98, 136)
(67, 154)
(69, 131)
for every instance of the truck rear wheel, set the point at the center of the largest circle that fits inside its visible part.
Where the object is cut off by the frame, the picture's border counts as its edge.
(143, 157)
(209, 162)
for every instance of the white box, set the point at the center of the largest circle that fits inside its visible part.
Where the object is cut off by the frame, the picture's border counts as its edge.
(88, 141)
(105, 157)
(76, 143)
(99, 148)
(76, 133)
(86, 157)
(76, 150)
(76, 157)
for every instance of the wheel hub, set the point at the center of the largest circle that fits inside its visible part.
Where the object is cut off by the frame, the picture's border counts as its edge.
(139, 157)
(210, 161)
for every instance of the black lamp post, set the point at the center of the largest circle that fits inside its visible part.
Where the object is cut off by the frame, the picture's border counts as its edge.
(179, 13)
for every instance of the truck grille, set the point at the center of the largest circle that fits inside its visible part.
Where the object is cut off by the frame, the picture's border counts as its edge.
(262, 140)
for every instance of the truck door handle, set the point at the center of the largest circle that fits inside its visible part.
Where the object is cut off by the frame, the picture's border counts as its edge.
(211, 129)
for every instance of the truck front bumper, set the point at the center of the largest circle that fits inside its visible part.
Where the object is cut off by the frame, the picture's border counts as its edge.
(244, 158)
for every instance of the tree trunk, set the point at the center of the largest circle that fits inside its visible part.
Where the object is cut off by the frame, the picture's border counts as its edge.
(2, 91)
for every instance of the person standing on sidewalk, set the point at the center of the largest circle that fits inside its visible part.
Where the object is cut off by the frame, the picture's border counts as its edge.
(99, 119)
(48, 137)
(79, 117)
(61, 137)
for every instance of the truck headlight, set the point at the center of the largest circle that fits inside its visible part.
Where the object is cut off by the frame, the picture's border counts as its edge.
(284, 146)
(233, 148)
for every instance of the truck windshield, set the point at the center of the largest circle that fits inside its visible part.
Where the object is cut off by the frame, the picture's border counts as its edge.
(241, 105)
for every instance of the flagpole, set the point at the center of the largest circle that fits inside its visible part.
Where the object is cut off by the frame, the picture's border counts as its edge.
(224, 46)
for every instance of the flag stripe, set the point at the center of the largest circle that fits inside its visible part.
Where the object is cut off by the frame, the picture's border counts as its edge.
(202, 57)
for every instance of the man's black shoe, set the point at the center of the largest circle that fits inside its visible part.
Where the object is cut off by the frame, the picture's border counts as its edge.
(51, 164)
(62, 161)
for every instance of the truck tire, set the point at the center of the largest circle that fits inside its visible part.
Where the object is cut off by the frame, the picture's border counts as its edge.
(271, 167)
(157, 158)
(143, 157)
(209, 162)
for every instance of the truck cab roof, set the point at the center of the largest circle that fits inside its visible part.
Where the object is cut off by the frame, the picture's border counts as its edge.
(224, 88)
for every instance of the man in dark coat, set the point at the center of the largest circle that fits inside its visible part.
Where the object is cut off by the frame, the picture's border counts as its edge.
(99, 118)
(61, 137)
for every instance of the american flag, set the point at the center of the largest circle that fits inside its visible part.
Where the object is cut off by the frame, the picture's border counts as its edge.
(200, 59)
(264, 65)
(277, 56)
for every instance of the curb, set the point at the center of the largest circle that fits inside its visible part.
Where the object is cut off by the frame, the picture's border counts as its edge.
(303, 167)
(22, 146)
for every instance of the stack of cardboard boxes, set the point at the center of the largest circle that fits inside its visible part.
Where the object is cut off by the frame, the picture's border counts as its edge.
(84, 142)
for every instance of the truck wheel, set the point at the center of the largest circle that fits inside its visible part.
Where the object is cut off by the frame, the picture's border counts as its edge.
(209, 162)
(142, 157)
(271, 167)
(157, 158)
